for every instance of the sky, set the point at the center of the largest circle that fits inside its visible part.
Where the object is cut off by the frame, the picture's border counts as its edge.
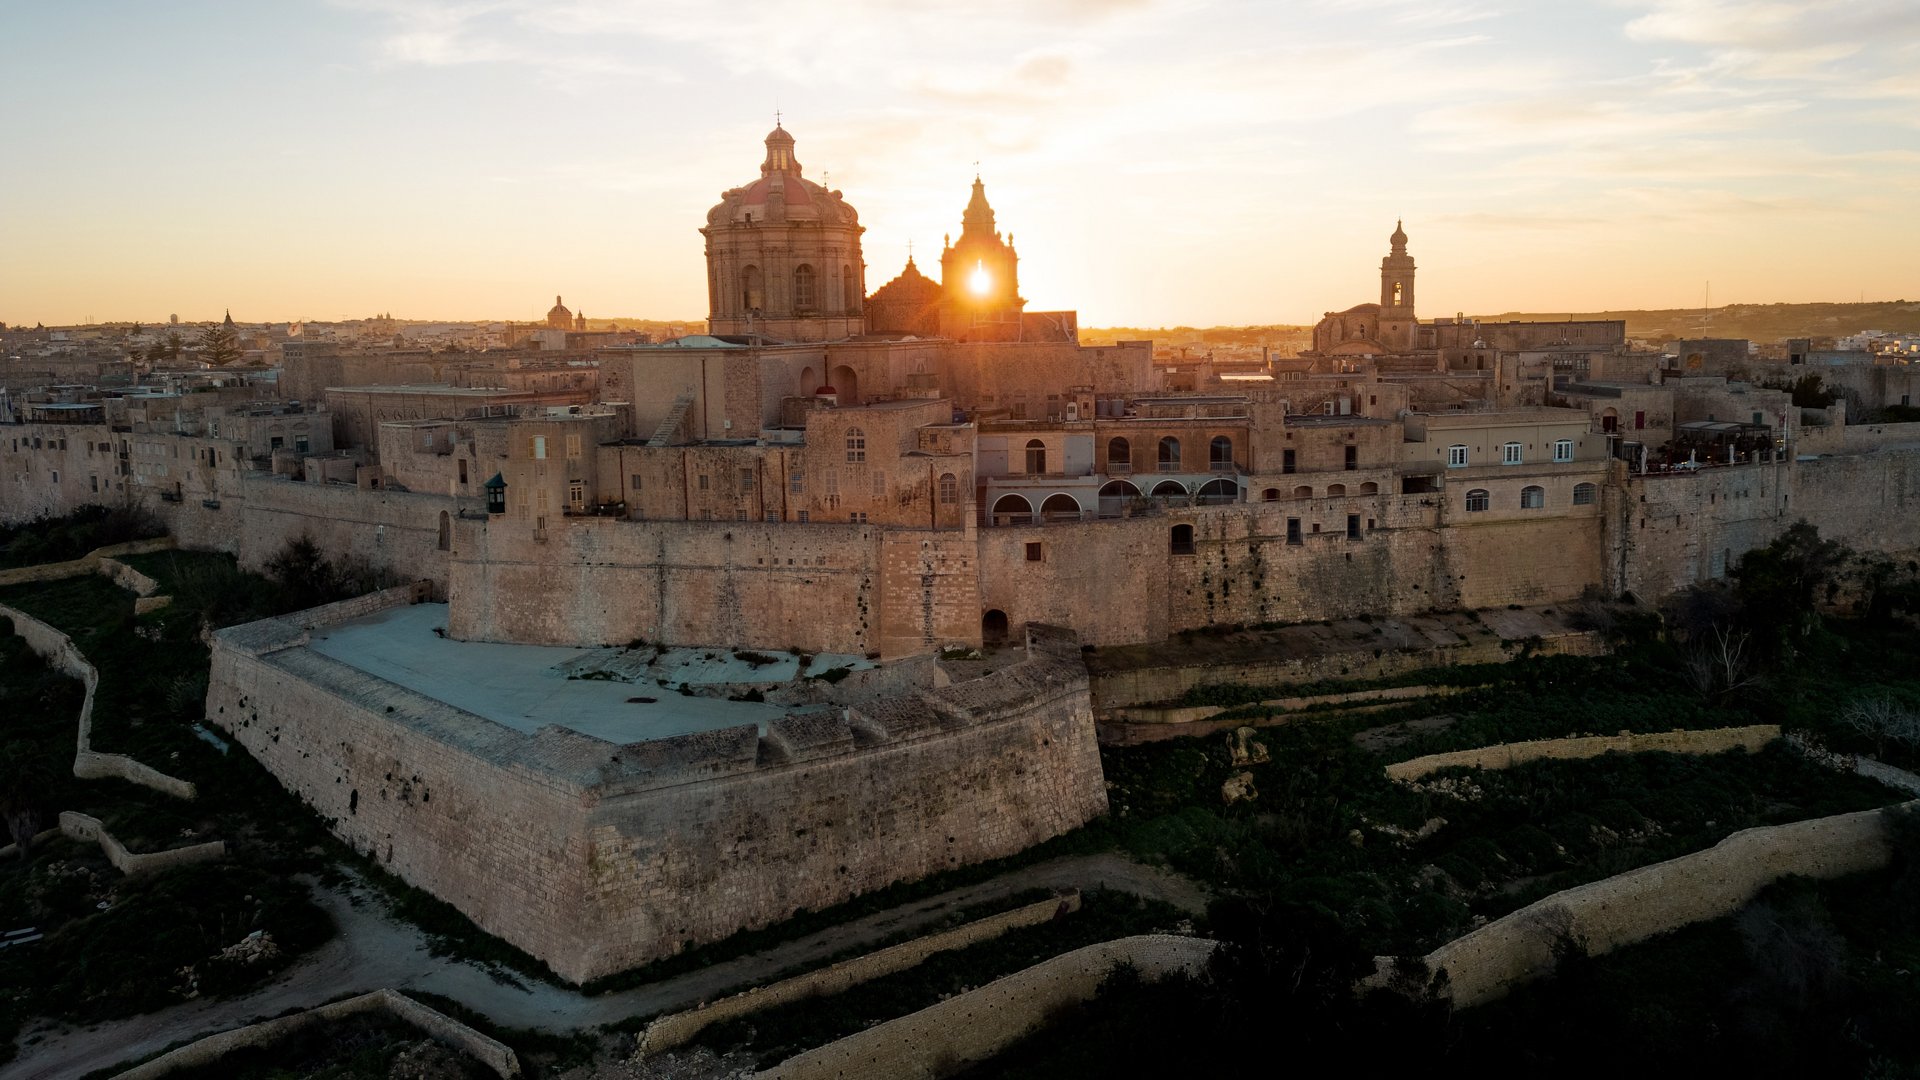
(1159, 162)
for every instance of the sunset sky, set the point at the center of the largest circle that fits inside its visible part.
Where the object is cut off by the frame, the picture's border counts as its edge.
(1158, 161)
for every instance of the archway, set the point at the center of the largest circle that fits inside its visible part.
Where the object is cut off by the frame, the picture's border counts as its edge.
(1335, 490)
(1220, 453)
(1303, 492)
(1036, 457)
(1060, 507)
(993, 627)
(1270, 495)
(1610, 419)
(1369, 488)
(1169, 456)
(1218, 491)
(1115, 495)
(1170, 489)
(446, 532)
(846, 385)
(1119, 456)
(808, 382)
(1012, 510)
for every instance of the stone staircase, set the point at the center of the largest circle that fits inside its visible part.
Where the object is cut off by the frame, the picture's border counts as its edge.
(676, 416)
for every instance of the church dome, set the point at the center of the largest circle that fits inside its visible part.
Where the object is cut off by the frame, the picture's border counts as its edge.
(558, 308)
(782, 193)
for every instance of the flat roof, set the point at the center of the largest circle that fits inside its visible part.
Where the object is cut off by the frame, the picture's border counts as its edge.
(526, 687)
(430, 388)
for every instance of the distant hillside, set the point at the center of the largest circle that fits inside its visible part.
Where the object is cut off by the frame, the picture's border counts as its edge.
(1756, 322)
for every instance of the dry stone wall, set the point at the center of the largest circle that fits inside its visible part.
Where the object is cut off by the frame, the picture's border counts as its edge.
(1605, 915)
(84, 827)
(677, 1029)
(978, 1024)
(1506, 755)
(441, 1027)
(595, 857)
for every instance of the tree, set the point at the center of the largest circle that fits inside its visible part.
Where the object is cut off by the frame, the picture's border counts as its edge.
(24, 782)
(220, 345)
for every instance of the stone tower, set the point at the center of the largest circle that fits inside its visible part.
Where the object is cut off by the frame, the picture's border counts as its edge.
(783, 256)
(980, 278)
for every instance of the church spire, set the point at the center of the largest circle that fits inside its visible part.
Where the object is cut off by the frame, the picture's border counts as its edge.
(977, 220)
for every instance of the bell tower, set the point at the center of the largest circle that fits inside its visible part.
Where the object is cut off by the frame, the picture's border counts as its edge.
(1396, 278)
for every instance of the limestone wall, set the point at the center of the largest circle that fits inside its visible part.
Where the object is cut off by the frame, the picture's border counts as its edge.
(595, 857)
(441, 1027)
(1605, 915)
(88, 763)
(83, 827)
(978, 1024)
(1710, 741)
(677, 1029)
(99, 560)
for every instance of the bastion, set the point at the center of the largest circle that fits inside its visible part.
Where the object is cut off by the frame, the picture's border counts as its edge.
(597, 843)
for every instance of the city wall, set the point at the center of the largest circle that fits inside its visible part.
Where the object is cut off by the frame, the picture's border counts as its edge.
(974, 1026)
(1605, 915)
(441, 1027)
(596, 858)
(1506, 755)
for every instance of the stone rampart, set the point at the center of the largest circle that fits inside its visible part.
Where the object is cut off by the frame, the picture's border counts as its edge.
(83, 827)
(595, 857)
(90, 563)
(441, 1027)
(1605, 915)
(677, 1029)
(1506, 755)
(89, 764)
(1147, 685)
(974, 1026)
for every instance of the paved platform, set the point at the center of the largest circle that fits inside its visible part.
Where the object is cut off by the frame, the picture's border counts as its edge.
(524, 687)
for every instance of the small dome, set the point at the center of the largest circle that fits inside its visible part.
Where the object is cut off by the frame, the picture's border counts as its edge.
(1399, 237)
(558, 308)
(825, 391)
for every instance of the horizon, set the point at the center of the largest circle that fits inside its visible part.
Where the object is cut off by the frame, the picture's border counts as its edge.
(396, 155)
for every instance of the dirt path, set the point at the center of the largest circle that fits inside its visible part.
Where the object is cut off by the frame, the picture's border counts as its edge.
(372, 951)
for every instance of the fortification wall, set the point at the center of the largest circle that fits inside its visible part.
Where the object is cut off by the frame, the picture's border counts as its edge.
(974, 1026)
(395, 530)
(1484, 964)
(595, 857)
(441, 1027)
(1506, 755)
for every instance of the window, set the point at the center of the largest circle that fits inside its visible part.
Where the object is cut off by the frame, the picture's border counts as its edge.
(1119, 456)
(803, 517)
(856, 446)
(1563, 450)
(1335, 491)
(275, 442)
(633, 482)
(1353, 526)
(753, 290)
(797, 483)
(879, 484)
(537, 448)
(1035, 553)
(1532, 497)
(1639, 420)
(703, 481)
(1584, 494)
(746, 480)
(573, 445)
(833, 491)
(1180, 540)
(803, 286)
(949, 489)
(1456, 456)
(1293, 530)
(858, 517)
(576, 493)
(1513, 453)
(1169, 454)
(1287, 461)
(1353, 458)
(1478, 500)
(1270, 495)
(1220, 453)
(1036, 457)
(300, 444)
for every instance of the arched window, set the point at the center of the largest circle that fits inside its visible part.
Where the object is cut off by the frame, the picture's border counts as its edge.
(446, 532)
(1585, 494)
(856, 446)
(1060, 507)
(753, 289)
(1478, 500)
(949, 488)
(1169, 454)
(1218, 492)
(1303, 492)
(1036, 457)
(1180, 540)
(1220, 453)
(1169, 489)
(803, 286)
(1270, 495)
(1533, 497)
(1119, 456)
(1336, 490)
(1369, 488)
(849, 290)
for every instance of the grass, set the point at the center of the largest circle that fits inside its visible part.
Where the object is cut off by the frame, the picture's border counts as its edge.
(51, 540)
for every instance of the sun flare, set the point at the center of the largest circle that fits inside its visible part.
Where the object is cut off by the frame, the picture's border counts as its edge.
(980, 281)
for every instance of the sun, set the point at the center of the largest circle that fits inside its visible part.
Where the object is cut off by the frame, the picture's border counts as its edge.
(980, 281)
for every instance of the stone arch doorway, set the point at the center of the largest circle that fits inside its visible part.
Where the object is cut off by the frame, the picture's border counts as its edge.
(993, 627)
